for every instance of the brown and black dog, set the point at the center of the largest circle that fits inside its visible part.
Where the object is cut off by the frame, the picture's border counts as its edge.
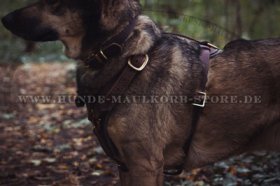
(150, 136)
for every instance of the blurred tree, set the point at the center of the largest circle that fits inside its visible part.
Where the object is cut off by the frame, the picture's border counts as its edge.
(218, 21)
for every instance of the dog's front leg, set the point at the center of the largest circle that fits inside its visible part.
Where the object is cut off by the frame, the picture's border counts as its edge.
(144, 168)
(140, 178)
(124, 177)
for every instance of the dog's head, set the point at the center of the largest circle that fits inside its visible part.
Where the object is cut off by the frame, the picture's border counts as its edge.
(77, 23)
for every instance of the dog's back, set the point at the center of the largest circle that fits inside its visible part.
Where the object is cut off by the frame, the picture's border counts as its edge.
(253, 63)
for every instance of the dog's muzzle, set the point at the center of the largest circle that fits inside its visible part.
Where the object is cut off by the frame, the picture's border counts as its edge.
(28, 28)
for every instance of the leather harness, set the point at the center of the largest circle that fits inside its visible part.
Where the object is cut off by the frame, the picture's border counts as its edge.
(100, 113)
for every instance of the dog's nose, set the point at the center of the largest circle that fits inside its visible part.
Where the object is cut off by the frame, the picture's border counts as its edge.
(7, 20)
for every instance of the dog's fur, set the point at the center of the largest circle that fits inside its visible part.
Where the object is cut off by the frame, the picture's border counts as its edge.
(150, 137)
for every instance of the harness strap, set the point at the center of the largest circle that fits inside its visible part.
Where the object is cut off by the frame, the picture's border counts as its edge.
(207, 52)
(198, 107)
(101, 132)
(102, 112)
(134, 66)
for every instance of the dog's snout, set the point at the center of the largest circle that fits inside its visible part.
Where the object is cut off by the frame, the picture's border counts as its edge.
(10, 20)
(28, 27)
(7, 20)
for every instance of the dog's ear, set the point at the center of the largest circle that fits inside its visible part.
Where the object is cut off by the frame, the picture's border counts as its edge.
(118, 12)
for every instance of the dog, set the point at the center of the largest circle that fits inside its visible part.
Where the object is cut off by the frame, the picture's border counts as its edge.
(148, 137)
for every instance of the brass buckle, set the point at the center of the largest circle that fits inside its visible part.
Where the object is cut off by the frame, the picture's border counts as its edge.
(211, 45)
(103, 55)
(139, 69)
(105, 48)
(202, 105)
(100, 55)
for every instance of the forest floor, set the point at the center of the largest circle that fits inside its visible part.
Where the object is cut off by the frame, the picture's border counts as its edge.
(53, 144)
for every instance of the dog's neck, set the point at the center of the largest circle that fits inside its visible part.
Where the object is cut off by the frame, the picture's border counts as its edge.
(112, 47)
(131, 38)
